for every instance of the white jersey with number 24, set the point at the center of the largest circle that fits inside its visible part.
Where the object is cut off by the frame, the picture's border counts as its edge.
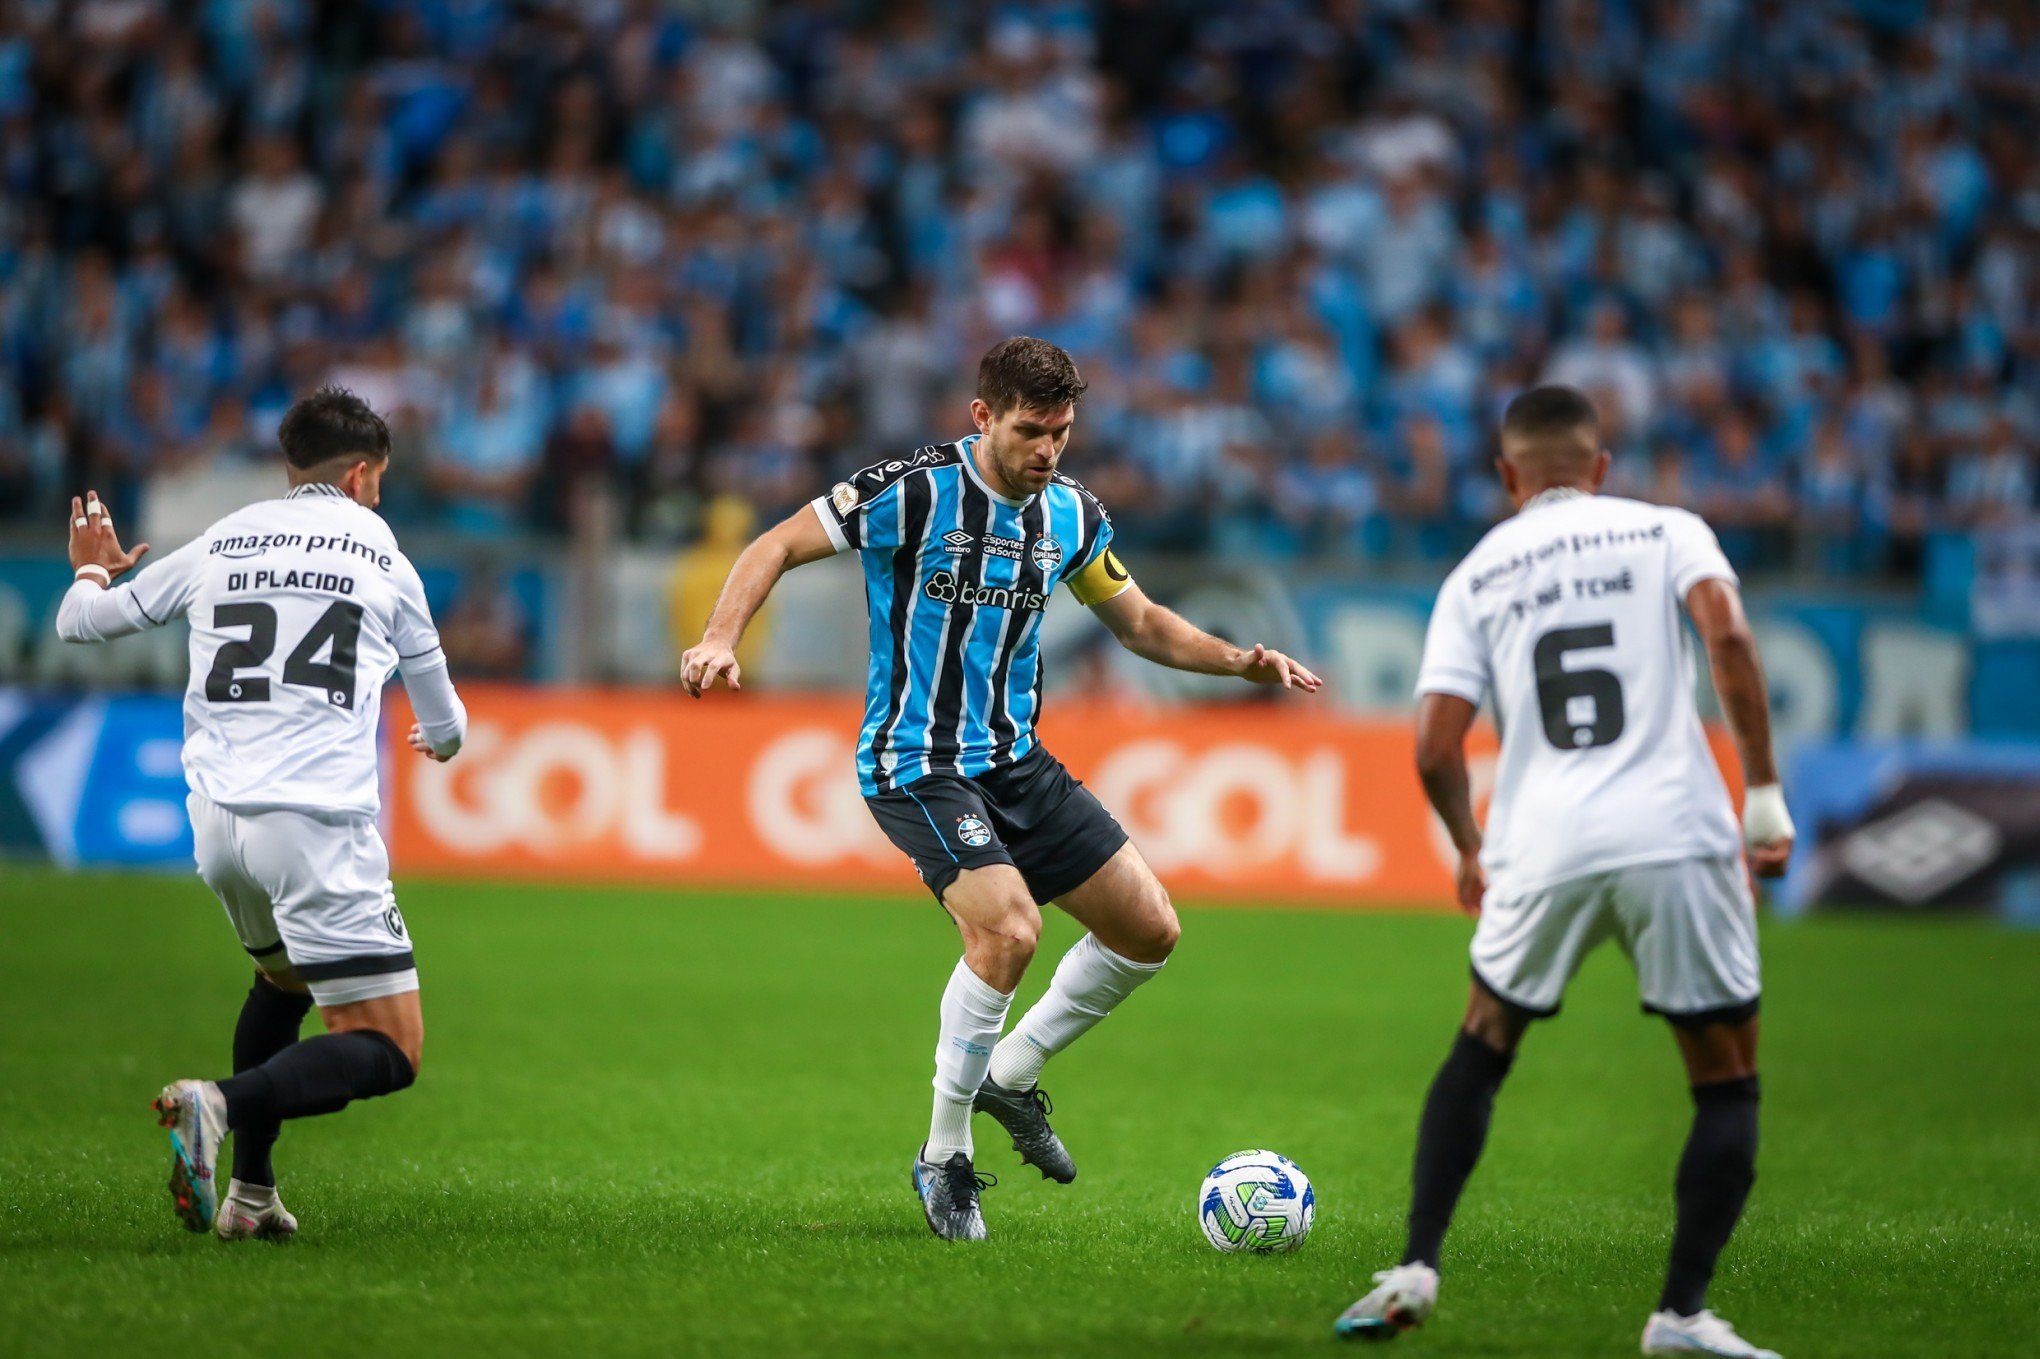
(300, 609)
(1566, 618)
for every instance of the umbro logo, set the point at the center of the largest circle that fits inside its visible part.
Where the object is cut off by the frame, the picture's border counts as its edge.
(956, 542)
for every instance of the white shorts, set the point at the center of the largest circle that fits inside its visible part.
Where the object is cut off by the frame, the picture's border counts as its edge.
(1688, 926)
(308, 890)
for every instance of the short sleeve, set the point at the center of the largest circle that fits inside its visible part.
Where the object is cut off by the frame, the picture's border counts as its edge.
(1694, 554)
(164, 591)
(861, 521)
(1455, 651)
(412, 631)
(1097, 540)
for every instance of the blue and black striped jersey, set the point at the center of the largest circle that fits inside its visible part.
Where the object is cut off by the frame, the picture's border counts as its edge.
(956, 577)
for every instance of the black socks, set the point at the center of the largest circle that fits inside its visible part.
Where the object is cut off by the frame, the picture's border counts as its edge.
(270, 1018)
(1715, 1174)
(1449, 1140)
(316, 1076)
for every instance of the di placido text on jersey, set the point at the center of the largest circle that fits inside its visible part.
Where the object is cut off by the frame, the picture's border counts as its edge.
(252, 544)
(330, 582)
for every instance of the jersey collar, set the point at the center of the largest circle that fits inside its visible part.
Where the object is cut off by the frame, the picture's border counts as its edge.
(314, 488)
(1553, 496)
(970, 466)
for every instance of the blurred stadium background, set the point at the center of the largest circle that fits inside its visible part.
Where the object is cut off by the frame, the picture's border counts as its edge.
(634, 278)
(631, 278)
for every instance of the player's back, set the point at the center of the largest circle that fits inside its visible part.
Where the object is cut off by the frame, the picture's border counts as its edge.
(1567, 616)
(300, 609)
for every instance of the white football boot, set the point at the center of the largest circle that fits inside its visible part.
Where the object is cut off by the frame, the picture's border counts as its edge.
(195, 1113)
(1404, 1299)
(253, 1212)
(1701, 1333)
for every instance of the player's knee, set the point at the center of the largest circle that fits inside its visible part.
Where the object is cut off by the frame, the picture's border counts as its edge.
(1492, 1022)
(1003, 939)
(1156, 938)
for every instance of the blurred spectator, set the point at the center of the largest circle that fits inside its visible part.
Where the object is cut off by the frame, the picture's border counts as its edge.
(668, 252)
(698, 576)
(486, 632)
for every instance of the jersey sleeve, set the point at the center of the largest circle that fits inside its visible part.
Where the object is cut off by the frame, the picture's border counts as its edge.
(862, 514)
(1695, 554)
(156, 594)
(1096, 574)
(165, 591)
(412, 631)
(1455, 651)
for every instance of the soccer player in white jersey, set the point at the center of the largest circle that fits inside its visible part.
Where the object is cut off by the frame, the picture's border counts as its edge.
(1609, 820)
(300, 609)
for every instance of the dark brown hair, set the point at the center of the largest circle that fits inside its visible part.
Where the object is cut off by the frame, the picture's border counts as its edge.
(1543, 412)
(1030, 373)
(332, 423)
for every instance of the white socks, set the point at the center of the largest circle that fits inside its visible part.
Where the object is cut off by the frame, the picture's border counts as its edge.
(1089, 981)
(973, 1015)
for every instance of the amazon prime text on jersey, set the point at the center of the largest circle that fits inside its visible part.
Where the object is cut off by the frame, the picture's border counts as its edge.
(241, 546)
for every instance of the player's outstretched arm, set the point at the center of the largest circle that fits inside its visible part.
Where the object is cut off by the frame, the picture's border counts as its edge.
(1717, 612)
(1165, 637)
(796, 541)
(1442, 723)
(89, 612)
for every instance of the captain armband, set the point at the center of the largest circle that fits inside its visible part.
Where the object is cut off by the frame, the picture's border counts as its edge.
(1105, 578)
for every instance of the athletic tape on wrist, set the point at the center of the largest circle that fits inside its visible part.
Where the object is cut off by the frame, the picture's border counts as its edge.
(94, 570)
(1765, 819)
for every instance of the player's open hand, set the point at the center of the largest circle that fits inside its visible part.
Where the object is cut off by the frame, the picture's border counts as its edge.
(1769, 860)
(93, 541)
(699, 666)
(423, 746)
(1472, 883)
(1265, 666)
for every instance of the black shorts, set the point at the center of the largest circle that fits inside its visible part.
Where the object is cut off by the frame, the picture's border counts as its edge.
(1031, 814)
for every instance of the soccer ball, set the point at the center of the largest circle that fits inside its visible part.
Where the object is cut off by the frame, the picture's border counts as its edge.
(1256, 1201)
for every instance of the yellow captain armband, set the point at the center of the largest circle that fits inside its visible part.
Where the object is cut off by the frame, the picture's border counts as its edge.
(1104, 578)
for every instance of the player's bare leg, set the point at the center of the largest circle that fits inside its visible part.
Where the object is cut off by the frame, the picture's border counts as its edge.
(1449, 1142)
(371, 1047)
(999, 923)
(1715, 1173)
(1133, 929)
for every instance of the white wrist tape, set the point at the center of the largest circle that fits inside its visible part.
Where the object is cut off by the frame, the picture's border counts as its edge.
(95, 571)
(1764, 818)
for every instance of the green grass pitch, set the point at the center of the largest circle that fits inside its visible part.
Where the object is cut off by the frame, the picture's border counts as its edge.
(678, 1123)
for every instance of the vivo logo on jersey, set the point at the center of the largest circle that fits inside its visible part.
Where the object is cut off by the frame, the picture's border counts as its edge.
(944, 588)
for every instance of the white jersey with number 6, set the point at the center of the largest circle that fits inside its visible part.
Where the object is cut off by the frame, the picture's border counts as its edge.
(1566, 617)
(300, 610)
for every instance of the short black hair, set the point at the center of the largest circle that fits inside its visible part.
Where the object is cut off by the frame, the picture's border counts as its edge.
(1028, 372)
(332, 423)
(1550, 410)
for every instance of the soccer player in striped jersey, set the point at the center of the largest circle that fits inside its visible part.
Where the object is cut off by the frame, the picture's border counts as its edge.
(962, 545)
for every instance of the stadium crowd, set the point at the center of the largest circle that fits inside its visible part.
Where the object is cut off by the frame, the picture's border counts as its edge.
(1302, 252)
